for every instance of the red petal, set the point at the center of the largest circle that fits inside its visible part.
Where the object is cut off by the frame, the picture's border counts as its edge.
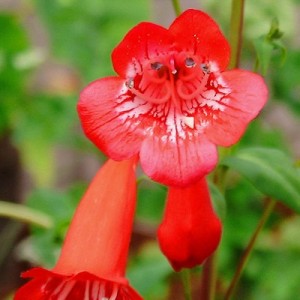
(102, 224)
(46, 285)
(190, 231)
(179, 162)
(144, 42)
(105, 119)
(247, 97)
(197, 32)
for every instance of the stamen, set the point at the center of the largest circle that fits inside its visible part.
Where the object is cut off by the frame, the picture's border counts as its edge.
(66, 290)
(87, 291)
(148, 77)
(196, 92)
(156, 66)
(188, 77)
(189, 62)
(158, 83)
(205, 68)
(114, 292)
(172, 66)
(95, 289)
(175, 99)
(59, 288)
(147, 98)
(43, 287)
(101, 294)
(130, 83)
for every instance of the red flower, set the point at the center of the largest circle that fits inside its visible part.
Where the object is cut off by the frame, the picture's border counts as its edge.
(172, 101)
(190, 231)
(93, 258)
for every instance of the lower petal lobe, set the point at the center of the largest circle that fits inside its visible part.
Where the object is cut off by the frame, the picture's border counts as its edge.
(248, 94)
(106, 121)
(177, 163)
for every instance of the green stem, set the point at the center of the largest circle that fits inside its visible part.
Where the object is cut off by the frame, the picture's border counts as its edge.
(8, 237)
(186, 281)
(209, 278)
(243, 262)
(209, 272)
(236, 30)
(177, 7)
(25, 214)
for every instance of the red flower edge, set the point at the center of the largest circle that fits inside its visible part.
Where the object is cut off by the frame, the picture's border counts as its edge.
(46, 285)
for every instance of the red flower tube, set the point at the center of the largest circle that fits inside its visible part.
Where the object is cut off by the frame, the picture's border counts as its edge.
(93, 258)
(173, 101)
(190, 231)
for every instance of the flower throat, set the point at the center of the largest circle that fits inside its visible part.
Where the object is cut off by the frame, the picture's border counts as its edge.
(158, 82)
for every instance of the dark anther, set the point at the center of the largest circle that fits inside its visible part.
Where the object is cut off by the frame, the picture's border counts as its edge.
(205, 68)
(129, 83)
(156, 66)
(189, 62)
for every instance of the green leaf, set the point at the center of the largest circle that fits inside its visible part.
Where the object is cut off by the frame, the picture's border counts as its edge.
(286, 83)
(149, 271)
(271, 172)
(151, 201)
(45, 122)
(264, 51)
(60, 206)
(13, 35)
(266, 44)
(274, 33)
(25, 214)
(13, 43)
(218, 200)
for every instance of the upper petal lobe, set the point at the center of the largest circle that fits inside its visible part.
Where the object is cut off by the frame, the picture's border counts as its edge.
(146, 41)
(197, 32)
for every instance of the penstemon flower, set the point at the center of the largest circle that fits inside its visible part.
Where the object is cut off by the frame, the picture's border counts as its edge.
(93, 258)
(190, 231)
(173, 101)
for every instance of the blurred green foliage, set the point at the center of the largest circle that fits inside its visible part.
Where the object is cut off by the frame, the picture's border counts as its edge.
(12, 78)
(286, 83)
(266, 44)
(81, 36)
(83, 33)
(270, 171)
(149, 272)
(150, 201)
(44, 245)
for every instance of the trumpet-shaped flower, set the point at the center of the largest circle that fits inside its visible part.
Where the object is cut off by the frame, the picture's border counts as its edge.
(173, 101)
(93, 258)
(190, 231)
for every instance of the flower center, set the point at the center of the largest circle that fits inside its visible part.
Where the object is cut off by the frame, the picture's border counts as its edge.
(176, 79)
